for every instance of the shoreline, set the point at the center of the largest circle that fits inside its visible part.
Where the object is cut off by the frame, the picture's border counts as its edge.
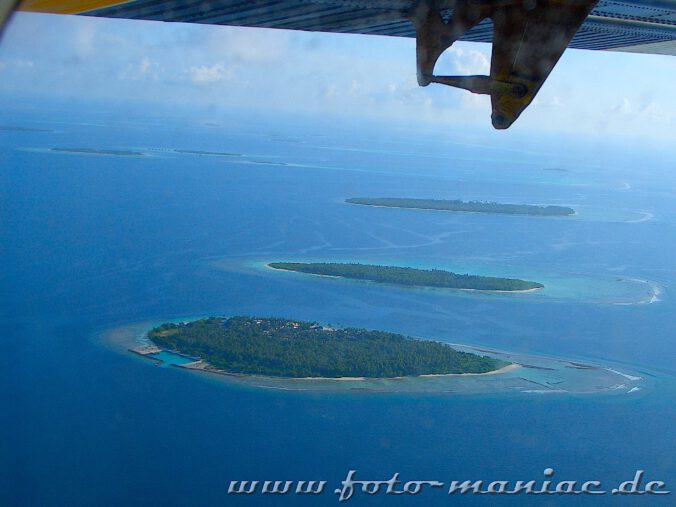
(204, 366)
(524, 373)
(499, 371)
(338, 277)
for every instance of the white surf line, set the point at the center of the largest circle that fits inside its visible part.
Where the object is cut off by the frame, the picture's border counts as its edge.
(386, 243)
(628, 377)
(656, 295)
(655, 289)
(278, 388)
(544, 391)
(324, 245)
(647, 216)
(434, 240)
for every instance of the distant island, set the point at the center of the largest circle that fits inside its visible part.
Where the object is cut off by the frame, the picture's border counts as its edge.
(95, 151)
(23, 129)
(409, 276)
(466, 206)
(265, 162)
(296, 349)
(210, 153)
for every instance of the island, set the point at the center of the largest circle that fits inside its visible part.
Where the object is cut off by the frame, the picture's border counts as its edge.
(409, 276)
(463, 206)
(22, 129)
(265, 162)
(296, 349)
(209, 153)
(96, 151)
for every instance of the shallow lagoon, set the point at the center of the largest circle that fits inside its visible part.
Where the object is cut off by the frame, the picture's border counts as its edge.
(536, 375)
(574, 287)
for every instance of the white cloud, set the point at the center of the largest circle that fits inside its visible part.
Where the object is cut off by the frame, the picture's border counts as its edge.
(643, 112)
(476, 101)
(247, 45)
(85, 39)
(204, 74)
(624, 107)
(24, 64)
(658, 114)
(556, 102)
(549, 102)
(464, 61)
(145, 65)
(144, 69)
(328, 73)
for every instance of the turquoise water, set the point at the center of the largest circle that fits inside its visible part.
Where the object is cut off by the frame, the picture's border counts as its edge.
(167, 358)
(609, 289)
(91, 243)
(533, 374)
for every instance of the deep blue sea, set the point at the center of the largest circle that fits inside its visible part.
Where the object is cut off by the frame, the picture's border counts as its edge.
(91, 242)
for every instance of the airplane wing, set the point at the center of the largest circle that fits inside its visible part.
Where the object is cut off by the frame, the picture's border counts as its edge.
(528, 36)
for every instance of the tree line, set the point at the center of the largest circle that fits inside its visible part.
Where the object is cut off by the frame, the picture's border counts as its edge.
(285, 348)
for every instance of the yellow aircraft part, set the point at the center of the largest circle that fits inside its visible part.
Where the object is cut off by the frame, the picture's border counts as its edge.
(67, 6)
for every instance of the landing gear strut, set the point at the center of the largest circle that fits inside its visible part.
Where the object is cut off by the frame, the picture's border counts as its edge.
(529, 37)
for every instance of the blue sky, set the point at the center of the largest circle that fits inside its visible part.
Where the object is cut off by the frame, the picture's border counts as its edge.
(74, 58)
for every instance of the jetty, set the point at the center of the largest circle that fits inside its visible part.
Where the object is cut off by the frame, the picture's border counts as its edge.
(146, 350)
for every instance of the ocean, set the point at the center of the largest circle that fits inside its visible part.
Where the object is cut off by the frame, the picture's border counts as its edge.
(95, 242)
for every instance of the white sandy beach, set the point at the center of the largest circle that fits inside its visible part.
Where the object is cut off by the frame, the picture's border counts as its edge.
(504, 369)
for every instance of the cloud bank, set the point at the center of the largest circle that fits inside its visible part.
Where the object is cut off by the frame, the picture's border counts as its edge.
(362, 76)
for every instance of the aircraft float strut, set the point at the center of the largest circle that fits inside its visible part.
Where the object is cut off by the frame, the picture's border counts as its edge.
(529, 37)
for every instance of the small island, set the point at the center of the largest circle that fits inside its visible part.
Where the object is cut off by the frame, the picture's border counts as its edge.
(295, 349)
(409, 276)
(209, 153)
(22, 129)
(96, 151)
(462, 206)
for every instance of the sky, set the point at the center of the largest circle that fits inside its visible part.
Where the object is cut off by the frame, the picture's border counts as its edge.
(172, 65)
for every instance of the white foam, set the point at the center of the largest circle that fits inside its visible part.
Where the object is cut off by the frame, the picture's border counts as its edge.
(655, 289)
(628, 377)
(646, 216)
(656, 294)
(544, 391)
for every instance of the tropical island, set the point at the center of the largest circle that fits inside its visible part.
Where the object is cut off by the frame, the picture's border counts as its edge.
(95, 151)
(463, 206)
(409, 276)
(296, 349)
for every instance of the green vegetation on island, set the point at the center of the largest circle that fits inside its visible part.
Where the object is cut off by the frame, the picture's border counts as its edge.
(296, 349)
(95, 151)
(466, 206)
(408, 276)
